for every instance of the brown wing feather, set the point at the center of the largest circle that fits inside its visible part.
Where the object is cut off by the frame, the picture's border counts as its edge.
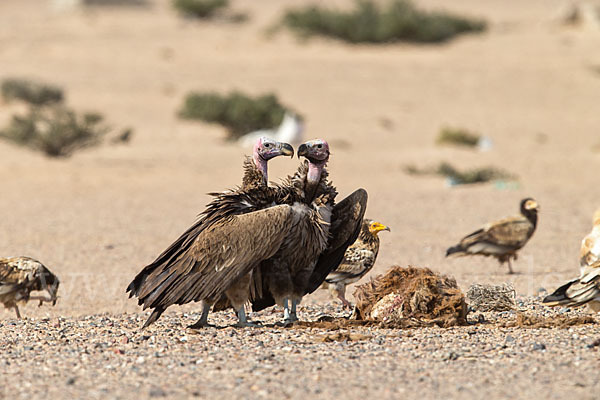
(578, 291)
(357, 262)
(509, 232)
(219, 255)
(346, 223)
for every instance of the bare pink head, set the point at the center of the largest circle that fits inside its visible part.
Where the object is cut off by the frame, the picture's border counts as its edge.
(266, 149)
(317, 153)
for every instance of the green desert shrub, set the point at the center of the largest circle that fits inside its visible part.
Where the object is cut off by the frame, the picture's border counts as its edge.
(200, 8)
(57, 130)
(236, 111)
(457, 136)
(368, 22)
(32, 92)
(457, 177)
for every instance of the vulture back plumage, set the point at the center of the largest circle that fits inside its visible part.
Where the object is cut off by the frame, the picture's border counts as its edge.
(237, 230)
(307, 270)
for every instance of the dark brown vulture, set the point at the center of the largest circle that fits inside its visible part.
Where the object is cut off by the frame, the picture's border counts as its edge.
(19, 276)
(323, 230)
(358, 260)
(580, 291)
(214, 257)
(586, 288)
(501, 239)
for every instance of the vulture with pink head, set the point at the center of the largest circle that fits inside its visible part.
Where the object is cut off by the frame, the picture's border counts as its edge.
(215, 256)
(323, 231)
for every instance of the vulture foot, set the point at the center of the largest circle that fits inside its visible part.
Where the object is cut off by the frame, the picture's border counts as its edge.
(201, 324)
(247, 324)
(345, 303)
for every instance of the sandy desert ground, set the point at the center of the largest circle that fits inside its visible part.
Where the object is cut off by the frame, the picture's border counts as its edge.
(96, 218)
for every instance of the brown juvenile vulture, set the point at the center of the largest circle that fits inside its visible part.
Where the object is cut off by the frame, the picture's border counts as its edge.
(501, 239)
(19, 276)
(586, 288)
(238, 229)
(323, 230)
(358, 260)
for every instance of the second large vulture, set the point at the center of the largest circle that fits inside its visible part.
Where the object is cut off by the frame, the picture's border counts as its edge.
(323, 232)
(238, 230)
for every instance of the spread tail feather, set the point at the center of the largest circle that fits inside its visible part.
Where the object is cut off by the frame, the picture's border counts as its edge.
(560, 297)
(153, 317)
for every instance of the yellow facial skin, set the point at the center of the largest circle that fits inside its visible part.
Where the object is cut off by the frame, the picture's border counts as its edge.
(532, 205)
(377, 227)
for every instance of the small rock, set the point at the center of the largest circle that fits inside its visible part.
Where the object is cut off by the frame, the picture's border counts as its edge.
(539, 346)
(595, 343)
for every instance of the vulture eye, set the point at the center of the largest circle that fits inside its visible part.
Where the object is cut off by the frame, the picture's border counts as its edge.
(320, 146)
(267, 144)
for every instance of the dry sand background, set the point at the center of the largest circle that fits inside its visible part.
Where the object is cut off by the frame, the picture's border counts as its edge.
(95, 219)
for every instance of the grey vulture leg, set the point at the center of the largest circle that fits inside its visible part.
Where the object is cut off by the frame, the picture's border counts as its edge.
(293, 315)
(203, 321)
(243, 321)
(18, 313)
(289, 316)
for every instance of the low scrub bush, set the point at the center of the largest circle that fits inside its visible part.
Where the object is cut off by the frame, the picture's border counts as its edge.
(457, 177)
(57, 131)
(239, 113)
(368, 22)
(31, 92)
(460, 137)
(200, 8)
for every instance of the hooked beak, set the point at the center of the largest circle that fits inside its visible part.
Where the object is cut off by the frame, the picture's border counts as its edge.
(287, 150)
(302, 150)
(378, 227)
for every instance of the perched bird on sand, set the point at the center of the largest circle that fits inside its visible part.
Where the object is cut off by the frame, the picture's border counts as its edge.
(586, 288)
(501, 239)
(358, 260)
(19, 276)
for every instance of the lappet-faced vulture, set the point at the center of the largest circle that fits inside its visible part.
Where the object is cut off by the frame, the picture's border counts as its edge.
(358, 260)
(501, 239)
(19, 276)
(238, 230)
(323, 230)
